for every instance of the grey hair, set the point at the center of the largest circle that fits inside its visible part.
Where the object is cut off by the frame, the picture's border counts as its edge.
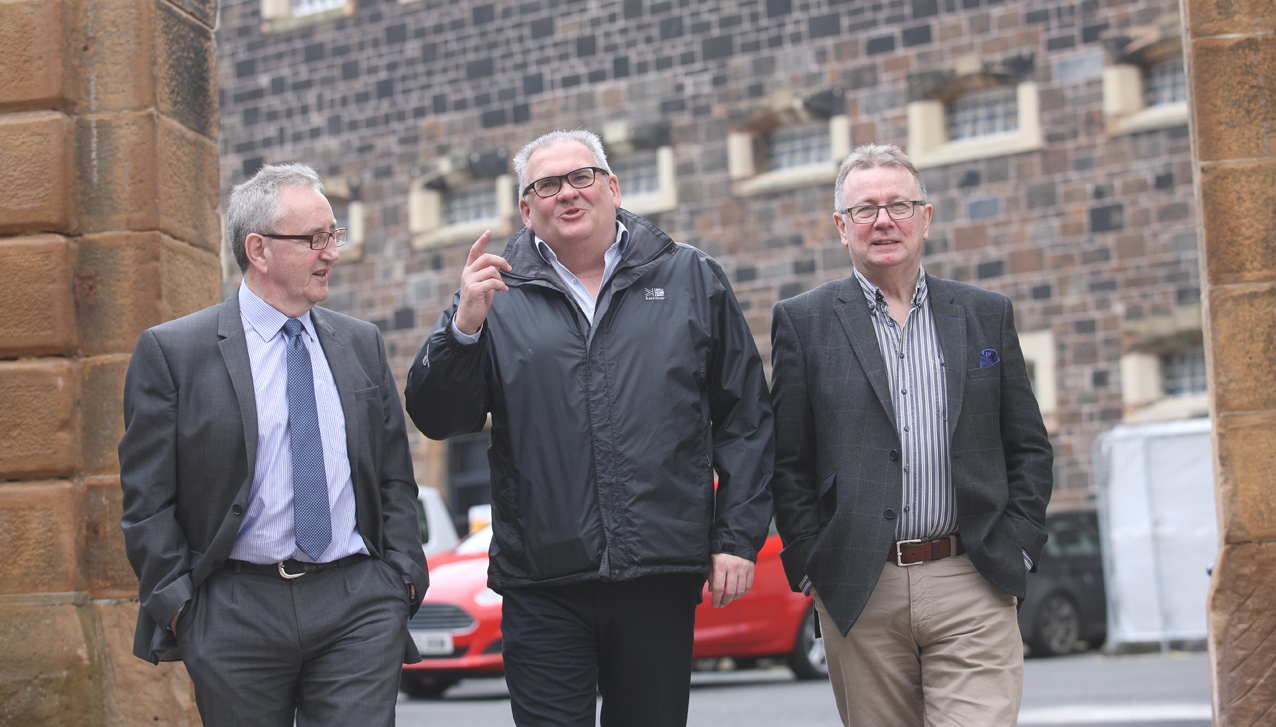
(254, 205)
(872, 156)
(587, 139)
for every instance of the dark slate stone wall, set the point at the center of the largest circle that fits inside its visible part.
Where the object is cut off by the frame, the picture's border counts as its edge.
(1087, 234)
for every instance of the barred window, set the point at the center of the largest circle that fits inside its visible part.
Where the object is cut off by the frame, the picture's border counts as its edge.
(638, 173)
(1183, 372)
(983, 112)
(799, 145)
(302, 8)
(470, 203)
(1165, 83)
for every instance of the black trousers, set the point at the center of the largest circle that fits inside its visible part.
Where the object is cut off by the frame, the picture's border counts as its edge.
(629, 640)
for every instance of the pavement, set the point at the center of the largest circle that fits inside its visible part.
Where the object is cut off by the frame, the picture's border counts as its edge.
(1082, 690)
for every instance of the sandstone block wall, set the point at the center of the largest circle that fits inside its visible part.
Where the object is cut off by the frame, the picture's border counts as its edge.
(108, 225)
(1232, 63)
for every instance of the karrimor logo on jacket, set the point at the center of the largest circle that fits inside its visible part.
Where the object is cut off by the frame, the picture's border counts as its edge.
(654, 293)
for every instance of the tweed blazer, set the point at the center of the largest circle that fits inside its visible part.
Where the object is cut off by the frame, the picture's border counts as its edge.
(839, 480)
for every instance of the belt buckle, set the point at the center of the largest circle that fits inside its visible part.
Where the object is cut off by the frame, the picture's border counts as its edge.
(290, 576)
(899, 552)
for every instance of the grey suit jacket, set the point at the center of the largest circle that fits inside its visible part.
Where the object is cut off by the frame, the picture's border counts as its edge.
(189, 452)
(839, 481)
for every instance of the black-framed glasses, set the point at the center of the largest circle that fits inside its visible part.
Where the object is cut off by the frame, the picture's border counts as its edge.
(867, 213)
(578, 178)
(318, 240)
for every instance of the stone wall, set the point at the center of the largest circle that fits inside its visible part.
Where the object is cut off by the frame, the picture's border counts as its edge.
(1089, 234)
(1232, 58)
(108, 224)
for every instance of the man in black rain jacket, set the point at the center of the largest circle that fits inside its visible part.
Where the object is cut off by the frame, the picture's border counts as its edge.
(620, 374)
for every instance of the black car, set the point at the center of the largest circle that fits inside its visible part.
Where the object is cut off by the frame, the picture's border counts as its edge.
(1066, 602)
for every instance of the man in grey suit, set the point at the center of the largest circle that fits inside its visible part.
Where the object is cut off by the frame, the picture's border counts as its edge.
(269, 501)
(912, 467)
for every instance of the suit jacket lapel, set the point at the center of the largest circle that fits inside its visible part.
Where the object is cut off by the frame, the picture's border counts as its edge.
(234, 349)
(852, 311)
(344, 367)
(950, 325)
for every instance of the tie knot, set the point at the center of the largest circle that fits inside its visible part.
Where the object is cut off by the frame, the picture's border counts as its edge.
(292, 328)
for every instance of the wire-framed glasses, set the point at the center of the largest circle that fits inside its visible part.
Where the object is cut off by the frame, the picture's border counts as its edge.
(318, 240)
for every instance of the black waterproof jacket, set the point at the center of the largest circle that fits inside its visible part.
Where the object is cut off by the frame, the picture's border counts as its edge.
(605, 439)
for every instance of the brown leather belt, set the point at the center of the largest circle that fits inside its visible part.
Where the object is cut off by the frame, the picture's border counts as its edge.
(913, 552)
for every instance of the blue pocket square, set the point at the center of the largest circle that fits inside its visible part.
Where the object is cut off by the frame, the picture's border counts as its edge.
(988, 357)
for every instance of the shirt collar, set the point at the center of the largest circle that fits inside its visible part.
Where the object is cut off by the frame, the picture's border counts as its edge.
(263, 318)
(876, 299)
(622, 242)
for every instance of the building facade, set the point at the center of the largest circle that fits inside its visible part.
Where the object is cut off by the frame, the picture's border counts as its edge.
(1052, 138)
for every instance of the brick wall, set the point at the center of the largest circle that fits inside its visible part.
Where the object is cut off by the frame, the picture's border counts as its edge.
(1090, 233)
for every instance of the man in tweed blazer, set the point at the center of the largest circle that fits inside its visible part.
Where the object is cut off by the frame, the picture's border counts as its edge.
(912, 467)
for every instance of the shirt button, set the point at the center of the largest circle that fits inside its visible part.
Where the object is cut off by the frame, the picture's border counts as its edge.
(906, 508)
(901, 355)
(894, 454)
(904, 391)
(889, 514)
(906, 427)
(905, 468)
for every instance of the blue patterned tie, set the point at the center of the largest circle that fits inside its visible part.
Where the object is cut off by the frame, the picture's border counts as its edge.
(312, 519)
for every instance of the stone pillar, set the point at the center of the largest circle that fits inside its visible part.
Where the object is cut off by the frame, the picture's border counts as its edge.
(108, 225)
(1231, 60)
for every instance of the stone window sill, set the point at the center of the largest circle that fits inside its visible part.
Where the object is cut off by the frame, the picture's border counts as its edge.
(463, 232)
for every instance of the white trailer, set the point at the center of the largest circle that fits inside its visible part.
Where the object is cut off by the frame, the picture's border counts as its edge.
(1155, 488)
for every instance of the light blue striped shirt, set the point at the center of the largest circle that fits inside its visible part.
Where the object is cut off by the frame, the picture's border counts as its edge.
(266, 534)
(914, 365)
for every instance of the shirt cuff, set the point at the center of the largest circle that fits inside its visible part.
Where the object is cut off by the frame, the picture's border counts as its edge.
(806, 585)
(465, 337)
(1027, 562)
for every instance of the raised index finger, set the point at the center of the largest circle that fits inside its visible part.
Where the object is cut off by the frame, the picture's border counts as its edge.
(477, 248)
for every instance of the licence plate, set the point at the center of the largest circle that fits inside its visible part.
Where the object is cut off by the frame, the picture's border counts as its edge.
(433, 643)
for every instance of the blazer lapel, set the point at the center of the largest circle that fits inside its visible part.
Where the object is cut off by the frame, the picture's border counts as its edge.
(852, 312)
(234, 349)
(345, 370)
(950, 325)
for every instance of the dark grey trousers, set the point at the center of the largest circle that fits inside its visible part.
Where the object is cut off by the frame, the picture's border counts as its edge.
(324, 649)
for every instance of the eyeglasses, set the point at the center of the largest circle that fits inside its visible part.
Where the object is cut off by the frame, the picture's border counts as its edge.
(318, 240)
(867, 213)
(578, 178)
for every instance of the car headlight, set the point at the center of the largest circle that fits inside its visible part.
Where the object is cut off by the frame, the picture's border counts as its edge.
(488, 597)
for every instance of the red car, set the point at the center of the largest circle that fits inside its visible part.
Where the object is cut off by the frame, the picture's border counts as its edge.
(458, 628)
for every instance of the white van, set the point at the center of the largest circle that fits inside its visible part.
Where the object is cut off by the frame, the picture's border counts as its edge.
(437, 531)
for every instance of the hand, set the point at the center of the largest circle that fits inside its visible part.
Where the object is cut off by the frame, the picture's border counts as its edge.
(172, 625)
(480, 279)
(730, 577)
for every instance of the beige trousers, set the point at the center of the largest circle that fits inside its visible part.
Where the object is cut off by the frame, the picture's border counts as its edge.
(936, 646)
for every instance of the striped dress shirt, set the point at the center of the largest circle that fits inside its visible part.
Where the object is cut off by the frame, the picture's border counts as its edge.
(266, 534)
(914, 365)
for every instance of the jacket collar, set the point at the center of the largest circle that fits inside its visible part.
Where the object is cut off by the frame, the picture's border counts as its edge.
(647, 243)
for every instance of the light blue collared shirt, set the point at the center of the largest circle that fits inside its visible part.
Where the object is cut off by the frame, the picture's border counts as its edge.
(577, 289)
(266, 533)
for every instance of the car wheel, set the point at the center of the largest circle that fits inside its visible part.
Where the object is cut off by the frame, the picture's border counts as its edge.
(1058, 627)
(807, 659)
(424, 686)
